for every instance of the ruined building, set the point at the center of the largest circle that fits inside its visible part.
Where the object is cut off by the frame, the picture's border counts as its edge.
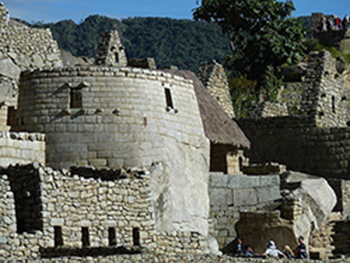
(140, 128)
(117, 157)
(316, 140)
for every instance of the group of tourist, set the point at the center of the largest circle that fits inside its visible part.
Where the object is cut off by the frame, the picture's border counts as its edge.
(300, 252)
(333, 24)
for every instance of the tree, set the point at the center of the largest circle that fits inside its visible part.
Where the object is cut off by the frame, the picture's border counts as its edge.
(263, 35)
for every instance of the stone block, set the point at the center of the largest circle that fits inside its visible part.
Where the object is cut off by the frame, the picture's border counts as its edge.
(243, 181)
(9, 69)
(3, 240)
(57, 222)
(269, 193)
(218, 180)
(217, 196)
(245, 197)
(266, 180)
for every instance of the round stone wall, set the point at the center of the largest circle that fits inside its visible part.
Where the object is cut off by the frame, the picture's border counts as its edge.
(125, 117)
(113, 117)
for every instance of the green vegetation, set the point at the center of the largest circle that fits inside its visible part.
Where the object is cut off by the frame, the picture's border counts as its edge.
(265, 39)
(242, 94)
(183, 43)
(82, 39)
(263, 34)
(314, 45)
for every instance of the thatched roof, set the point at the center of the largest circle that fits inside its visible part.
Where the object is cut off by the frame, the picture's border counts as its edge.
(218, 126)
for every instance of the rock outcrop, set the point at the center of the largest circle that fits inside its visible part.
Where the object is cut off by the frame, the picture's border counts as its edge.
(306, 205)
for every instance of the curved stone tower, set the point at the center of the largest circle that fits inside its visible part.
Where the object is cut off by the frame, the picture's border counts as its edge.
(125, 117)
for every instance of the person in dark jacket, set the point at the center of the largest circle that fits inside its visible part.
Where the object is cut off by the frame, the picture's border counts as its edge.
(300, 251)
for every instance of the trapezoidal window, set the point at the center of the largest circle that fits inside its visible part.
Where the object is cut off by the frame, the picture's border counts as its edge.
(58, 236)
(11, 114)
(136, 236)
(76, 98)
(116, 57)
(169, 101)
(333, 104)
(85, 238)
(112, 238)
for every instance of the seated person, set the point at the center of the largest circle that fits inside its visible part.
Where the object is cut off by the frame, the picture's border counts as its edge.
(272, 251)
(300, 251)
(248, 250)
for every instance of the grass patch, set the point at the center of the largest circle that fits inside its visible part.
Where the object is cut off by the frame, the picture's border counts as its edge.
(314, 45)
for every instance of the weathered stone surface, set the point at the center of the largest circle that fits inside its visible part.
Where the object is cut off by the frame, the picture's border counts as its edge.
(319, 199)
(257, 228)
(241, 193)
(213, 76)
(178, 205)
(218, 180)
(69, 60)
(244, 197)
(9, 69)
(266, 194)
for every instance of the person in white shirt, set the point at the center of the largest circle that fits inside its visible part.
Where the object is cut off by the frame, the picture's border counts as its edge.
(272, 251)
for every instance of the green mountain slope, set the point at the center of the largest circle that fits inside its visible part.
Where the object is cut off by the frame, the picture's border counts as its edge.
(183, 43)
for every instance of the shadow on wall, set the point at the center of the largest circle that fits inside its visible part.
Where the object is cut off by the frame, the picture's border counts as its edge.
(26, 191)
(87, 251)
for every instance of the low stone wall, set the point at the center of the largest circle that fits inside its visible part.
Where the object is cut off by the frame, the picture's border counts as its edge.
(230, 194)
(341, 237)
(291, 94)
(301, 147)
(28, 47)
(21, 148)
(345, 186)
(339, 39)
(63, 205)
(60, 212)
(321, 241)
(142, 63)
(13, 245)
(319, 151)
(267, 109)
(145, 258)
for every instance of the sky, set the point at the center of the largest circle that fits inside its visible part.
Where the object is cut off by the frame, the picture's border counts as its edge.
(78, 10)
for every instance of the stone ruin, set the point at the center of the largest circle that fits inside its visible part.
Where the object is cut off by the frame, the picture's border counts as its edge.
(315, 140)
(110, 51)
(339, 39)
(97, 159)
(214, 78)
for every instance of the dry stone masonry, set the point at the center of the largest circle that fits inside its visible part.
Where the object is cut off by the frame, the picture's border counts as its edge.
(323, 100)
(75, 211)
(214, 78)
(315, 142)
(130, 154)
(21, 47)
(231, 194)
(267, 109)
(3, 15)
(21, 148)
(110, 50)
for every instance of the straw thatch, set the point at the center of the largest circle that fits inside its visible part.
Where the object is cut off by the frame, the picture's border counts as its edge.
(218, 126)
